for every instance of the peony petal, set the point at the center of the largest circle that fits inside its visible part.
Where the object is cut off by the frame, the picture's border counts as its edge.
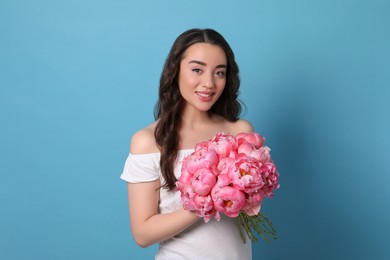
(254, 210)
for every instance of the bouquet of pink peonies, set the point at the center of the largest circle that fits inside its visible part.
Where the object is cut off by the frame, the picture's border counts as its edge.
(230, 175)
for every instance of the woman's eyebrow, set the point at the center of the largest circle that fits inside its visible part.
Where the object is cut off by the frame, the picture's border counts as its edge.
(222, 66)
(204, 64)
(198, 62)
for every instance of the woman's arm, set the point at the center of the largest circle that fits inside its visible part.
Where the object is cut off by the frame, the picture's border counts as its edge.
(147, 225)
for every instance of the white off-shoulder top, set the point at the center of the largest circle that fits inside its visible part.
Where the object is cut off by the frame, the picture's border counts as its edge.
(213, 240)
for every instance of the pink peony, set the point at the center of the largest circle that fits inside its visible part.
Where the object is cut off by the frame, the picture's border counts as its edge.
(185, 178)
(245, 173)
(271, 179)
(253, 138)
(224, 164)
(202, 146)
(223, 181)
(187, 197)
(205, 208)
(201, 158)
(223, 144)
(262, 154)
(229, 201)
(203, 181)
(253, 203)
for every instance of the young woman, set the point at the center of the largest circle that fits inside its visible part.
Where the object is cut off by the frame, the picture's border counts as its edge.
(197, 99)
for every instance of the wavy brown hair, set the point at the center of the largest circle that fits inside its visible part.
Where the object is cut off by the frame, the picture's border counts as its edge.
(170, 102)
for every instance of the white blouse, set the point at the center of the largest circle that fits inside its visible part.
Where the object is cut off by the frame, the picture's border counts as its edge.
(213, 240)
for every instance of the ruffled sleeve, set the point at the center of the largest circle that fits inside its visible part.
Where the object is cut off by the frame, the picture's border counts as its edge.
(141, 168)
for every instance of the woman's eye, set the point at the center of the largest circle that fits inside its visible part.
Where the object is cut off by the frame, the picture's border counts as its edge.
(221, 74)
(196, 70)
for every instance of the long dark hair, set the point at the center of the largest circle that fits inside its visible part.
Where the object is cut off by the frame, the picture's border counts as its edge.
(170, 102)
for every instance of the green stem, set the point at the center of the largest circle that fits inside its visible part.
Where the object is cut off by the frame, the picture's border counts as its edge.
(259, 223)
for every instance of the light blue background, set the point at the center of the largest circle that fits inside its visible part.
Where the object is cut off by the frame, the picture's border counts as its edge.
(78, 78)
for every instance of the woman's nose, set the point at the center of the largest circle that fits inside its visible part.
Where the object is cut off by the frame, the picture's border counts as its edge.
(208, 81)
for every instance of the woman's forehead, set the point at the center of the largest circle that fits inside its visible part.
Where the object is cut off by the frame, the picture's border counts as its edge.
(206, 53)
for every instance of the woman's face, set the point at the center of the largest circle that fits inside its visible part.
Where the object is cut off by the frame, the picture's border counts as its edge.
(202, 75)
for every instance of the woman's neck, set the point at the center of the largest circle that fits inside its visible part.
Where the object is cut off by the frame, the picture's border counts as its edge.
(193, 118)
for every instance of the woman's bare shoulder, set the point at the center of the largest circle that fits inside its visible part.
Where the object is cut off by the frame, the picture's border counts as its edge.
(241, 126)
(143, 141)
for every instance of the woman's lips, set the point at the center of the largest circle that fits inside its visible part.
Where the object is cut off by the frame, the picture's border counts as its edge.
(204, 96)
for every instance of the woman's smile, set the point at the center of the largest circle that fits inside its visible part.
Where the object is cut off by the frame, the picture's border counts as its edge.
(205, 96)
